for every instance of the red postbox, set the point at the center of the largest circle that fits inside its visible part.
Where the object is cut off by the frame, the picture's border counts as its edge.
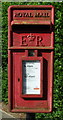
(30, 58)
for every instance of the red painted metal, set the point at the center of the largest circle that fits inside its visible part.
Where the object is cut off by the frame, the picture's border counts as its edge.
(30, 29)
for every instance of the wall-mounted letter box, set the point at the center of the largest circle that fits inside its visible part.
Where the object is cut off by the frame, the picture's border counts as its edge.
(30, 58)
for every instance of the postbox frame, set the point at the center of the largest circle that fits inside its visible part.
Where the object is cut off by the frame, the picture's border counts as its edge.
(12, 49)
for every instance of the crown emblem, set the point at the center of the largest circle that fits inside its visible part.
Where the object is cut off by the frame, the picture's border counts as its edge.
(31, 37)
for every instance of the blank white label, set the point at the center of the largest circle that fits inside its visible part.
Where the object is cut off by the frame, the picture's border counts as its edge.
(31, 76)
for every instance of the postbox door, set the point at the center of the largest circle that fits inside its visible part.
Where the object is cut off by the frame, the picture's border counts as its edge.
(20, 95)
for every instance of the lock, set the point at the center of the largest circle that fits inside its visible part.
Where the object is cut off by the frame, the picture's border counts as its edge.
(30, 58)
(18, 79)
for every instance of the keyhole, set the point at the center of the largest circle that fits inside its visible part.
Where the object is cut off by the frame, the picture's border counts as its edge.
(18, 79)
(31, 53)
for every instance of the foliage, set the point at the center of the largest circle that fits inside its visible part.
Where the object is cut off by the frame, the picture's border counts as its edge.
(58, 66)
